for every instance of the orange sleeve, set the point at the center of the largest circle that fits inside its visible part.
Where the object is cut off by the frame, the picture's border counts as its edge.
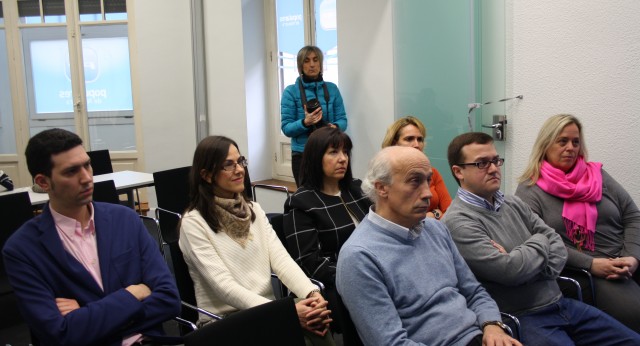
(441, 198)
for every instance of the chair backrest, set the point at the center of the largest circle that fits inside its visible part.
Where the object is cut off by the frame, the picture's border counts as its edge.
(15, 209)
(271, 197)
(169, 222)
(153, 227)
(172, 188)
(100, 161)
(105, 191)
(183, 280)
(277, 222)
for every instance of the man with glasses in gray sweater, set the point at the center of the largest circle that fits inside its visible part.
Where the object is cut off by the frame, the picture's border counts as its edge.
(516, 256)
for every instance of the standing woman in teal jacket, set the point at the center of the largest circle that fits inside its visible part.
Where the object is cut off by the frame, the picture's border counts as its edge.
(308, 104)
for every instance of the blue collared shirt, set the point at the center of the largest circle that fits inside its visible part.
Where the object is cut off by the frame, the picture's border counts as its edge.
(471, 198)
(411, 233)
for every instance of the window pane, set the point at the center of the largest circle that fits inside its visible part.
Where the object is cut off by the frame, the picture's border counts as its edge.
(115, 9)
(48, 78)
(7, 133)
(29, 11)
(327, 37)
(53, 11)
(290, 39)
(90, 10)
(107, 73)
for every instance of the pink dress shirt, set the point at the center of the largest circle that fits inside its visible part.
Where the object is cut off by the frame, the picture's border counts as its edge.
(82, 245)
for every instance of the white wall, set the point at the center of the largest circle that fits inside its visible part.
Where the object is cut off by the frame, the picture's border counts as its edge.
(225, 70)
(164, 101)
(578, 57)
(365, 49)
(255, 71)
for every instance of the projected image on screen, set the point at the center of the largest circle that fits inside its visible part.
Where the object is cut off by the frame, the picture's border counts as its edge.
(106, 69)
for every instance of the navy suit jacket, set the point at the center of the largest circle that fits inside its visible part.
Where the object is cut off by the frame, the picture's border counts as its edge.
(41, 270)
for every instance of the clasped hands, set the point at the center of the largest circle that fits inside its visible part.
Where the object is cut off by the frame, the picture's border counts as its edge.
(620, 268)
(314, 315)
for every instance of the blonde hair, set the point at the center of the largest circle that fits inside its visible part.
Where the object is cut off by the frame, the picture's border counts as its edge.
(549, 131)
(393, 132)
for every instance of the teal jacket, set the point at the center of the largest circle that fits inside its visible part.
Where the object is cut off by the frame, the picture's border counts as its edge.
(292, 113)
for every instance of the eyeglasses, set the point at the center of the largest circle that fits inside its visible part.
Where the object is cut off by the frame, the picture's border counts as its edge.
(230, 166)
(484, 164)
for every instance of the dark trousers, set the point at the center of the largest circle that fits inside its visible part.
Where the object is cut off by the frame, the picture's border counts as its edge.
(296, 160)
(571, 322)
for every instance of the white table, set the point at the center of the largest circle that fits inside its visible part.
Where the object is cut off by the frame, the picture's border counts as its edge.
(125, 182)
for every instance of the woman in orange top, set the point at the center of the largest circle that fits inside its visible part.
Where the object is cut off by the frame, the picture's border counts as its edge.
(410, 132)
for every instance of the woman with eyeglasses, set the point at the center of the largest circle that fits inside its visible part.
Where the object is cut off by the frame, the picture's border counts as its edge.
(231, 248)
(410, 132)
(596, 217)
(323, 213)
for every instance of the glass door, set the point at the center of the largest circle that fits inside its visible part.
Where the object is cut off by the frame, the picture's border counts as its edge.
(448, 54)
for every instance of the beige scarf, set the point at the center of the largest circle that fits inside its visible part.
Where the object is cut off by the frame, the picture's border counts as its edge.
(235, 217)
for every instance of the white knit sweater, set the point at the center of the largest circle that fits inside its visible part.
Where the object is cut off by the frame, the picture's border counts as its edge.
(228, 277)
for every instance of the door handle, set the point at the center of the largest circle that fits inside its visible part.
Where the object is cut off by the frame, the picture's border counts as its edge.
(499, 127)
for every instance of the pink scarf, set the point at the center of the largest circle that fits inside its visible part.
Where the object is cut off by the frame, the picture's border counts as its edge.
(581, 189)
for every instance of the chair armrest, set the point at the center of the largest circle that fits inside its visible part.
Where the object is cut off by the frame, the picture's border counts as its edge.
(575, 283)
(202, 311)
(516, 325)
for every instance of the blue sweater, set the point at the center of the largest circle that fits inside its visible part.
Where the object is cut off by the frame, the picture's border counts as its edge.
(403, 289)
(292, 113)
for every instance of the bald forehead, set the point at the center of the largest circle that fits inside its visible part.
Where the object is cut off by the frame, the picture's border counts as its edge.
(403, 159)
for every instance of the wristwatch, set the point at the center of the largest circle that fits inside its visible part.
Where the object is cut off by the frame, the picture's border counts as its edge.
(436, 214)
(499, 324)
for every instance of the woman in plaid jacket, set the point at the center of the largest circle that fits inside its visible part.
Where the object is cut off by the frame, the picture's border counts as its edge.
(323, 213)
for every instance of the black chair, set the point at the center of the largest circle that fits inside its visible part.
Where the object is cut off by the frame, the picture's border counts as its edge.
(172, 189)
(15, 210)
(169, 222)
(513, 323)
(101, 164)
(277, 222)
(585, 279)
(100, 161)
(566, 284)
(268, 187)
(105, 191)
(153, 227)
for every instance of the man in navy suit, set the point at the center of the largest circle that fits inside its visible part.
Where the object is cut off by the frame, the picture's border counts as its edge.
(85, 273)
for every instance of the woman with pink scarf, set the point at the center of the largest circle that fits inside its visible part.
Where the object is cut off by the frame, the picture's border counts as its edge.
(596, 217)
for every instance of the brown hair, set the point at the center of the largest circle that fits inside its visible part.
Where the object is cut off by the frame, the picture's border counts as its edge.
(454, 151)
(209, 156)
